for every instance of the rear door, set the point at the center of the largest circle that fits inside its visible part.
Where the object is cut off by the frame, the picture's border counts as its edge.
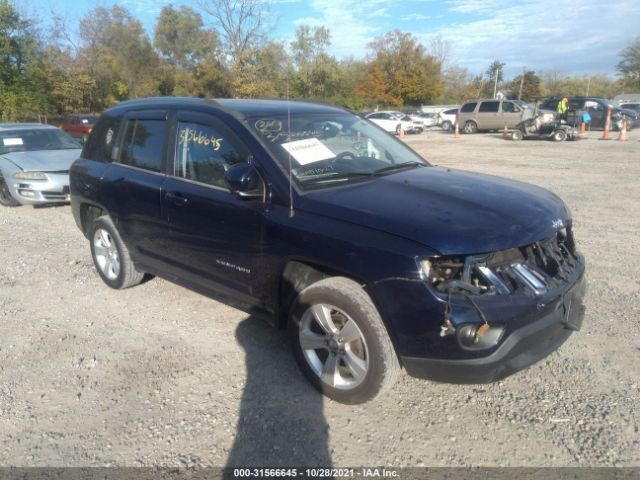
(132, 184)
(489, 117)
(214, 239)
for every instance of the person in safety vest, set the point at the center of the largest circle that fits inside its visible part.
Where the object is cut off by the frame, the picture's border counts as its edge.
(563, 106)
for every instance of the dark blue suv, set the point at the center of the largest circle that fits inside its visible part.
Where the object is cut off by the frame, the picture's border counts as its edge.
(372, 259)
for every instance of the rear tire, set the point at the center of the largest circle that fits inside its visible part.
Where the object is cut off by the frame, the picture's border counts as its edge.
(340, 341)
(470, 127)
(111, 256)
(6, 199)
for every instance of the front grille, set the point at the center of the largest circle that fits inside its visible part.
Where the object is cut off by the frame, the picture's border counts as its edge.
(538, 267)
(54, 195)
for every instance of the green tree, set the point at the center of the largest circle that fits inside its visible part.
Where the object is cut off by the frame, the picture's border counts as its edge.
(410, 74)
(629, 66)
(22, 85)
(495, 77)
(117, 53)
(316, 70)
(531, 85)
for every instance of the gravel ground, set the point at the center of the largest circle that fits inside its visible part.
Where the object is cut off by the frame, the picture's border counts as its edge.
(159, 376)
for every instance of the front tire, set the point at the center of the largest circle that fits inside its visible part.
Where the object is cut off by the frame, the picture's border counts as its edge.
(6, 199)
(340, 341)
(559, 136)
(111, 256)
(517, 135)
(446, 125)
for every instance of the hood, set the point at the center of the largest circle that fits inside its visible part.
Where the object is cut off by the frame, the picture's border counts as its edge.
(44, 160)
(453, 212)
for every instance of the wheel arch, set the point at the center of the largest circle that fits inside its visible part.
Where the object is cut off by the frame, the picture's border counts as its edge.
(88, 213)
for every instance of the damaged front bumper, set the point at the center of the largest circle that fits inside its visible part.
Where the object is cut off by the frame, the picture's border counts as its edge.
(519, 349)
(486, 316)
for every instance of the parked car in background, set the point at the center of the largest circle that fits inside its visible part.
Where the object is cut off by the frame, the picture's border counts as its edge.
(597, 108)
(327, 226)
(429, 119)
(447, 119)
(489, 114)
(79, 126)
(390, 121)
(631, 106)
(34, 164)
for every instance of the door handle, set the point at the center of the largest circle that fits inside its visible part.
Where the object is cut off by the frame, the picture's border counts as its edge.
(176, 198)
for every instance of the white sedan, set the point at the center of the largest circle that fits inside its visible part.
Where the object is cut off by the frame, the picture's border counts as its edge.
(390, 122)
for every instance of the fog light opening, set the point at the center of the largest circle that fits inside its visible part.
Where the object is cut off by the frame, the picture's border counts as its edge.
(27, 193)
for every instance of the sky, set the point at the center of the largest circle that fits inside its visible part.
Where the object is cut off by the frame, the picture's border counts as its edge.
(571, 37)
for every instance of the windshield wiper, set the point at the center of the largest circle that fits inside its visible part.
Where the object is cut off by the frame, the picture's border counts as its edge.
(397, 167)
(337, 176)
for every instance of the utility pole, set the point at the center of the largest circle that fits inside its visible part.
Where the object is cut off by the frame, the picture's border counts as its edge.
(495, 83)
(524, 72)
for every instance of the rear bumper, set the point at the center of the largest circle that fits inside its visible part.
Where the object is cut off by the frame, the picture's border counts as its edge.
(520, 349)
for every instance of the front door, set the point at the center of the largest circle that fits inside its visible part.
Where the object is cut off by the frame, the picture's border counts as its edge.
(214, 238)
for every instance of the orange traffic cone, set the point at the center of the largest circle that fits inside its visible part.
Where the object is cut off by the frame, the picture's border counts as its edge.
(623, 132)
(401, 132)
(505, 132)
(457, 131)
(582, 128)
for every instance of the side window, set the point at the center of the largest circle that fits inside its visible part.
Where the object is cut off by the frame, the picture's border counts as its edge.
(591, 105)
(143, 144)
(101, 141)
(490, 107)
(468, 107)
(204, 153)
(510, 107)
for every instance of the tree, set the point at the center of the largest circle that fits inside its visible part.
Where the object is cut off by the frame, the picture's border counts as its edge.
(495, 77)
(629, 66)
(316, 70)
(409, 73)
(116, 52)
(241, 24)
(262, 72)
(531, 85)
(22, 85)
(181, 38)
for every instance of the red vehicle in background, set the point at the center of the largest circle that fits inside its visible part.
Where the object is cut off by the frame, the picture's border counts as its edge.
(79, 126)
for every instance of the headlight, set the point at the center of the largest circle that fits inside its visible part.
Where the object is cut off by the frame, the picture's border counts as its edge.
(425, 268)
(30, 176)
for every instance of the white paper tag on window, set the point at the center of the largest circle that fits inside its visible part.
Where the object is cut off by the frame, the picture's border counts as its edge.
(308, 151)
(9, 142)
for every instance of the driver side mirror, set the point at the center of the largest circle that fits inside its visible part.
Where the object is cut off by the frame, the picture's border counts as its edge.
(244, 181)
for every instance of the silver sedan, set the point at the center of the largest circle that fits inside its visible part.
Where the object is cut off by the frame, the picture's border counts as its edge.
(34, 164)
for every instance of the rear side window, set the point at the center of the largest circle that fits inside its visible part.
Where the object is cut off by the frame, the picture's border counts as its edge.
(143, 144)
(468, 107)
(452, 111)
(100, 143)
(204, 153)
(491, 107)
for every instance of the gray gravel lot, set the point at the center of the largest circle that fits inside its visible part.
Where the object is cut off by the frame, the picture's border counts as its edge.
(159, 376)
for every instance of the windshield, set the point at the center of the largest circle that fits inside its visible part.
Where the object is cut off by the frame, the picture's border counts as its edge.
(328, 149)
(35, 139)
(89, 120)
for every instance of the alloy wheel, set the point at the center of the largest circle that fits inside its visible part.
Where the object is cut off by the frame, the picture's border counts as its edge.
(106, 253)
(333, 346)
